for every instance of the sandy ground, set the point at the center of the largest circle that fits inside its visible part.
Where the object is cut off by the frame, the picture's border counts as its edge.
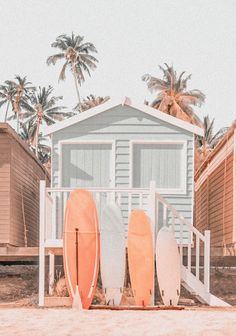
(66, 322)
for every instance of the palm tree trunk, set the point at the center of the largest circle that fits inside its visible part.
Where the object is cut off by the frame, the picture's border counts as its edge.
(8, 103)
(37, 139)
(77, 88)
(17, 122)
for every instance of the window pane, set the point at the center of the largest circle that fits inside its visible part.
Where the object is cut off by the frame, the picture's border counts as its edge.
(157, 162)
(86, 165)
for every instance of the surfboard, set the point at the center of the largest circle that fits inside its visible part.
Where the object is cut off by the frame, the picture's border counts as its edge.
(81, 215)
(168, 266)
(140, 257)
(112, 255)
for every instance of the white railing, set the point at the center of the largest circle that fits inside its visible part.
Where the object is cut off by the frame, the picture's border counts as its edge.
(126, 198)
(161, 212)
(193, 245)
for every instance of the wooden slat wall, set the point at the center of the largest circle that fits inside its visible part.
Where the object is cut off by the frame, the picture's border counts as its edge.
(25, 176)
(214, 204)
(5, 157)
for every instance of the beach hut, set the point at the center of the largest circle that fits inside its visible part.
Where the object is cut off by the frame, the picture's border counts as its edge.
(20, 173)
(132, 154)
(215, 194)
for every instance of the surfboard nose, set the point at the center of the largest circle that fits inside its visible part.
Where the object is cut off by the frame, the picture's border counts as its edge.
(140, 218)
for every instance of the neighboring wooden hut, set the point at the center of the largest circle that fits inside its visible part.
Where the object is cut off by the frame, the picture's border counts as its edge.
(20, 173)
(215, 192)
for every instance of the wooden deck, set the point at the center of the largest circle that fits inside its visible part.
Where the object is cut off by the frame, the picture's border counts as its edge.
(11, 253)
(219, 255)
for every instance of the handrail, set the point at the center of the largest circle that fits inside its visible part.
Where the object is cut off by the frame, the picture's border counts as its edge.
(117, 190)
(198, 235)
(178, 215)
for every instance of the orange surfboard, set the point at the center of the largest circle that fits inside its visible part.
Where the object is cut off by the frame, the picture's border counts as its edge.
(140, 257)
(82, 257)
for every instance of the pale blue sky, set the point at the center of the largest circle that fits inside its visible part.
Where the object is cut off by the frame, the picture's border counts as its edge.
(133, 38)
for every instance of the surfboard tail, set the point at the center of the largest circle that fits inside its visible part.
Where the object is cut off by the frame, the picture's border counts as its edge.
(77, 304)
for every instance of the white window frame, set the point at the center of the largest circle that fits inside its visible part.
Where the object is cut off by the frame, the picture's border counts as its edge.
(89, 142)
(166, 191)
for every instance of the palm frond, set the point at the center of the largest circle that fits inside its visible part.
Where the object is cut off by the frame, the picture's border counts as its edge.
(54, 58)
(62, 75)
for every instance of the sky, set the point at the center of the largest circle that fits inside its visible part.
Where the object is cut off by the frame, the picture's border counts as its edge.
(132, 37)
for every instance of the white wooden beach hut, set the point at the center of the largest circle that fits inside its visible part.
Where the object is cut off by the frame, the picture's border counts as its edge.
(137, 156)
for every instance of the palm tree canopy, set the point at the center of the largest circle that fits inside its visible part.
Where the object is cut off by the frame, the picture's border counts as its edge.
(22, 90)
(209, 139)
(27, 131)
(6, 94)
(77, 55)
(21, 84)
(173, 97)
(42, 106)
(90, 102)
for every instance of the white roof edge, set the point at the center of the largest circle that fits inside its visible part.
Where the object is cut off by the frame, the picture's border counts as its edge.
(82, 116)
(168, 118)
(124, 101)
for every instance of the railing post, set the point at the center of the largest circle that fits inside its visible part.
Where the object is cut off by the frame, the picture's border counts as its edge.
(197, 255)
(51, 272)
(41, 242)
(207, 260)
(152, 215)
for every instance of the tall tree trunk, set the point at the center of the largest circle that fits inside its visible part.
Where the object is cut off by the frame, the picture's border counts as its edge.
(37, 139)
(8, 103)
(17, 121)
(77, 87)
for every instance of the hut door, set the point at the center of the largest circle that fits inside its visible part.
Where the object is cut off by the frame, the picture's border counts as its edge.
(86, 165)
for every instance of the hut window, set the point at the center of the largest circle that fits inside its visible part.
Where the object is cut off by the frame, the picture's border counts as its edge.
(164, 163)
(86, 165)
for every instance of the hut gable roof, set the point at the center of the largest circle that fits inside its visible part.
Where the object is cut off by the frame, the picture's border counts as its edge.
(125, 101)
(6, 128)
(216, 150)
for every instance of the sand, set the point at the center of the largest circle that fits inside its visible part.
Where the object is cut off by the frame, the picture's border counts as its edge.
(66, 322)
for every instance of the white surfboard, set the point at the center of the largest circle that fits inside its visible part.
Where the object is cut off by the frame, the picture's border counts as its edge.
(112, 245)
(168, 267)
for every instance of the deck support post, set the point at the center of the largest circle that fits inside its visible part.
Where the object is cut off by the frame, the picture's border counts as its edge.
(152, 215)
(51, 272)
(41, 242)
(207, 261)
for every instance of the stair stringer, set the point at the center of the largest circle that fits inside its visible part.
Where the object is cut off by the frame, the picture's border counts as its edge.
(197, 288)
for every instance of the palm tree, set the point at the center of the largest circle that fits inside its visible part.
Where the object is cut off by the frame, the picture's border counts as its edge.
(91, 101)
(77, 56)
(42, 107)
(173, 97)
(22, 90)
(44, 151)
(6, 95)
(208, 141)
(27, 133)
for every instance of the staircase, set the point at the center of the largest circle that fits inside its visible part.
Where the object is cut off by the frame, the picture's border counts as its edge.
(192, 245)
